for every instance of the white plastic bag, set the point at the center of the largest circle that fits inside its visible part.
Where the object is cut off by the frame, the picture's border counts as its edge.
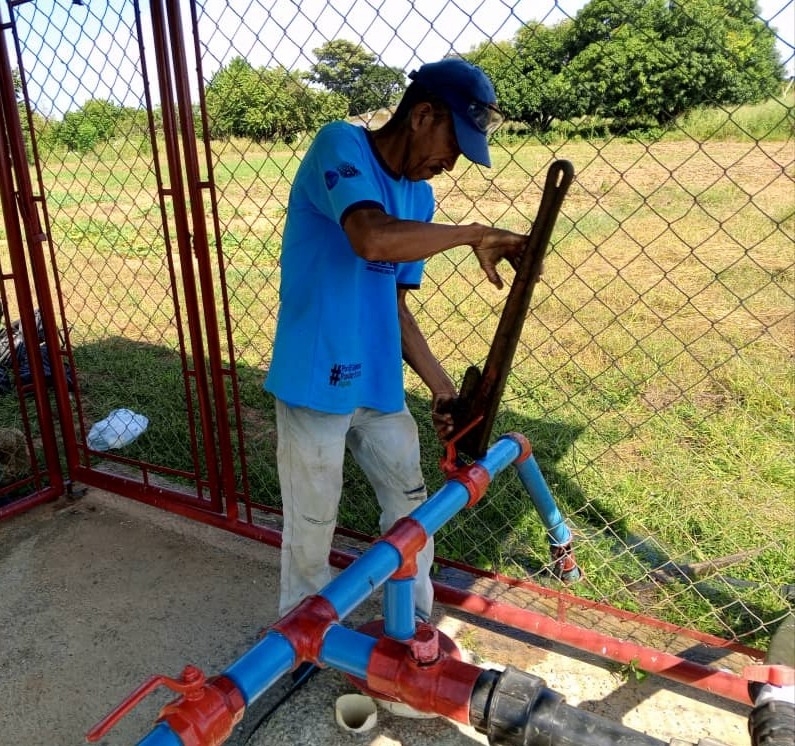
(118, 429)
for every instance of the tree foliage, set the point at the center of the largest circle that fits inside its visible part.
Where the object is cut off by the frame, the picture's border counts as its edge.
(353, 72)
(98, 121)
(639, 61)
(653, 60)
(529, 75)
(266, 104)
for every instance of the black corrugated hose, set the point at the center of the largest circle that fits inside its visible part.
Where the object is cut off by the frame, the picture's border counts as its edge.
(772, 720)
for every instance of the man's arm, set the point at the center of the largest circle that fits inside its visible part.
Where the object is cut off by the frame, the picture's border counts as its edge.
(378, 237)
(424, 363)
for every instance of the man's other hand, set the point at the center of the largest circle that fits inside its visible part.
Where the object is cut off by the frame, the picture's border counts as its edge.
(497, 244)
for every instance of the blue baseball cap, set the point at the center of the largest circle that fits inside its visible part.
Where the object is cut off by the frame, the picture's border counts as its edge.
(467, 90)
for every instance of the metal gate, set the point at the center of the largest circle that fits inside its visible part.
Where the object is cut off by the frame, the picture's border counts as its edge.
(171, 213)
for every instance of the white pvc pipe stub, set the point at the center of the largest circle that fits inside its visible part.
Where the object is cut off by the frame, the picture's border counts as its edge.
(356, 713)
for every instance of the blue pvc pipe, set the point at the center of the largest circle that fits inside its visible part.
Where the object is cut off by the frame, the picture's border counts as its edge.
(532, 479)
(349, 651)
(358, 581)
(453, 497)
(447, 502)
(161, 735)
(399, 609)
(259, 668)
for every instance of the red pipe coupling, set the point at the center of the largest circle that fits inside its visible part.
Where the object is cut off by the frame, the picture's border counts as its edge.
(524, 444)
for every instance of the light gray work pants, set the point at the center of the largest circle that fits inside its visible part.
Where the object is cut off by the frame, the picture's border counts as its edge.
(310, 454)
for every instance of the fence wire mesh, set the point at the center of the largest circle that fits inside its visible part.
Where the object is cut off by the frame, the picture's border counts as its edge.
(654, 374)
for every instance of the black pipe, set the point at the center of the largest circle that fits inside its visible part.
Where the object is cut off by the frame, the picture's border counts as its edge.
(772, 720)
(515, 708)
(772, 724)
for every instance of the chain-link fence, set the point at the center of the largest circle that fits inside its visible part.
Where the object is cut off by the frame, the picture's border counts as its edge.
(654, 375)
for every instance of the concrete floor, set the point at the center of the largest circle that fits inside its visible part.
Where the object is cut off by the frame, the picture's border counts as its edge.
(100, 593)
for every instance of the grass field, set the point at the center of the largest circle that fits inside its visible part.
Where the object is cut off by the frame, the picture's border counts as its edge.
(654, 376)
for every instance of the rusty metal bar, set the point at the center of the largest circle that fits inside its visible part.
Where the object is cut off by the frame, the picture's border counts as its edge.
(172, 274)
(480, 394)
(245, 493)
(202, 253)
(14, 163)
(183, 236)
(37, 234)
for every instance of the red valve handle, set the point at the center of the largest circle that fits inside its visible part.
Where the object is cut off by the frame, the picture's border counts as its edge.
(190, 683)
(448, 462)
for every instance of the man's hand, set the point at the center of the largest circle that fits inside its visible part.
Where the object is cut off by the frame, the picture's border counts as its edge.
(442, 414)
(494, 245)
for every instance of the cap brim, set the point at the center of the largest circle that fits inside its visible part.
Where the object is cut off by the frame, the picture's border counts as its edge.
(473, 143)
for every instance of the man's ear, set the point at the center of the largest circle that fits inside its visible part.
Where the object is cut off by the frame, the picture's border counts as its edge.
(421, 115)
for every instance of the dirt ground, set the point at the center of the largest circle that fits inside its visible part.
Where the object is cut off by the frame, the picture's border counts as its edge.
(100, 593)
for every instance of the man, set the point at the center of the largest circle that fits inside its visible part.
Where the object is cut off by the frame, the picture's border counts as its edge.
(357, 231)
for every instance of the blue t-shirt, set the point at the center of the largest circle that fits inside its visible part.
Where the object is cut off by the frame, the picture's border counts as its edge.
(337, 341)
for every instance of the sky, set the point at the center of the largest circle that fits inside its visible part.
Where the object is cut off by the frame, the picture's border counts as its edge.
(402, 33)
(406, 33)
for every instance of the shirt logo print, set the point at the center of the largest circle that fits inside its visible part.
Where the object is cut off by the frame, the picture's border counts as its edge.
(331, 178)
(344, 374)
(348, 170)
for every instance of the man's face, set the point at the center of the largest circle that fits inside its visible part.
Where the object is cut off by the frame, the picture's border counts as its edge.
(433, 147)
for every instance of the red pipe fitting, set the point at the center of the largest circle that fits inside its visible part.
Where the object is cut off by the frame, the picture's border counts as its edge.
(424, 646)
(443, 686)
(408, 536)
(474, 478)
(306, 625)
(204, 715)
(524, 444)
(564, 566)
(208, 717)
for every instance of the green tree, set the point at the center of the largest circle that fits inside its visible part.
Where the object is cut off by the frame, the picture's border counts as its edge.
(725, 54)
(620, 59)
(633, 59)
(94, 122)
(528, 75)
(266, 104)
(229, 94)
(17, 81)
(348, 69)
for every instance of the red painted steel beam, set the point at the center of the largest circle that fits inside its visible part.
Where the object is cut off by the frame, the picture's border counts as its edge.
(17, 206)
(201, 249)
(26, 503)
(182, 224)
(567, 600)
(663, 664)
